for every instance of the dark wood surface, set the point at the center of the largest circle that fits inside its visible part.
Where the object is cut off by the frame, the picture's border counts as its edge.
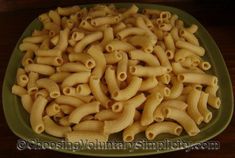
(217, 17)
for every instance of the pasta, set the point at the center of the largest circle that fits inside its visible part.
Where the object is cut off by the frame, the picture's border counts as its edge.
(53, 129)
(129, 91)
(202, 107)
(96, 53)
(159, 116)
(184, 119)
(163, 127)
(127, 116)
(122, 67)
(51, 86)
(130, 31)
(146, 71)
(89, 125)
(18, 90)
(91, 72)
(27, 102)
(40, 68)
(114, 57)
(76, 78)
(82, 111)
(149, 59)
(21, 77)
(130, 132)
(110, 78)
(98, 92)
(72, 67)
(118, 45)
(91, 136)
(204, 79)
(36, 120)
(151, 104)
(68, 100)
(192, 100)
(87, 40)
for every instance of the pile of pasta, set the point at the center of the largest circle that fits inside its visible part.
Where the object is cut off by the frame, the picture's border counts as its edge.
(92, 72)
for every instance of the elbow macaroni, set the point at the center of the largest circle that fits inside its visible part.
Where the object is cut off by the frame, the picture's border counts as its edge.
(89, 73)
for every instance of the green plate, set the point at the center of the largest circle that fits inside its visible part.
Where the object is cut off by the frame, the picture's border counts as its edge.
(18, 119)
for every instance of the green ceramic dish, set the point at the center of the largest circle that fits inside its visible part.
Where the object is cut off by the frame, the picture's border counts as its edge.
(18, 119)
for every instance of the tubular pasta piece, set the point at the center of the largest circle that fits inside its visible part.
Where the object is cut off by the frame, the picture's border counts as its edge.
(83, 110)
(149, 59)
(48, 52)
(114, 57)
(106, 115)
(202, 107)
(53, 129)
(97, 91)
(110, 20)
(68, 100)
(150, 105)
(27, 102)
(130, 11)
(27, 58)
(129, 133)
(54, 61)
(122, 67)
(190, 37)
(110, 79)
(73, 67)
(79, 47)
(35, 39)
(159, 116)
(160, 53)
(108, 36)
(41, 69)
(129, 91)
(162, 89)
(130, 31)
(90, 136)
(96, 53)
(85, 58)
(182, 118)
(63, 40)
(32, 86)
(193, 28)
(204, 79)
(147, 71)
(89, 125)
(52, 109)
(118, 45)
(21, 77)
(181, 54)
(165, 78)
(36, 114)
(50, 85)
(192, 100)
(162, 127)
(127, 116)
(195, 49)
(68, 10)
(176, 89)
(59, 76)
(148, 83)
(27, 46)
(142, 41)
(76, 78)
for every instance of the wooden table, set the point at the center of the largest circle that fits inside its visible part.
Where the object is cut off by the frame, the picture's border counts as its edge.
(217, 18)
